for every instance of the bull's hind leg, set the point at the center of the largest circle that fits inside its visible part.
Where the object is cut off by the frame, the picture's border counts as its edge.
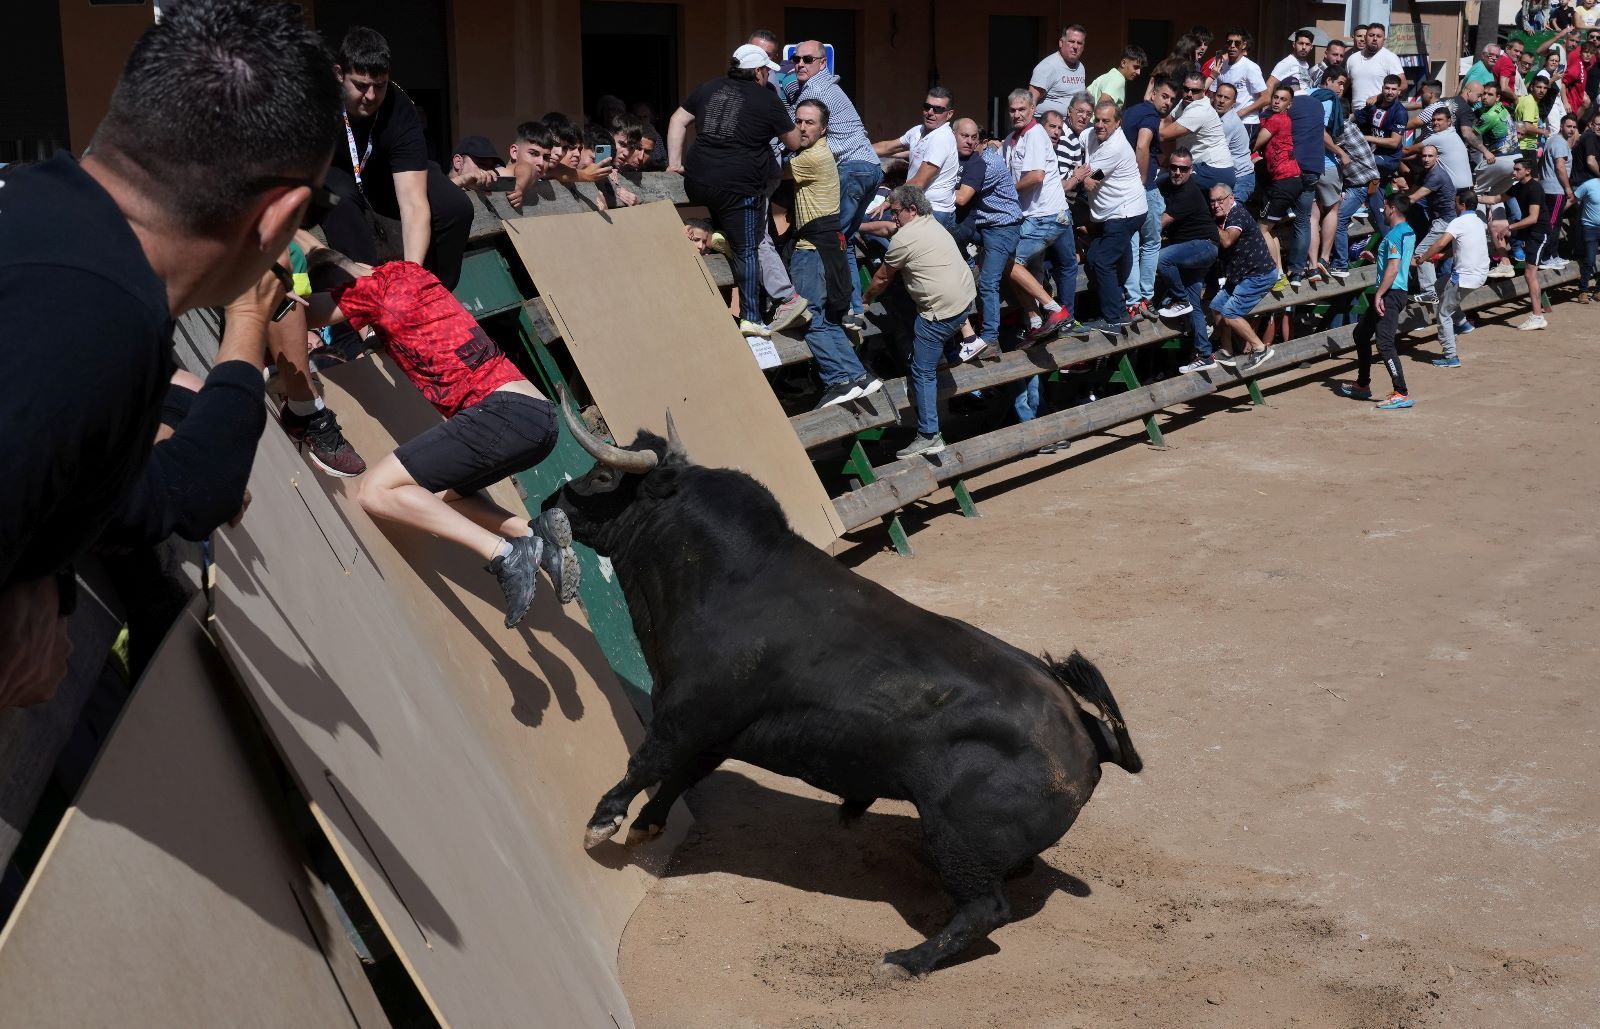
(974, 880)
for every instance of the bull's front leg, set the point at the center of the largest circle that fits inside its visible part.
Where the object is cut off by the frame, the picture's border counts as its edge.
(654, 761)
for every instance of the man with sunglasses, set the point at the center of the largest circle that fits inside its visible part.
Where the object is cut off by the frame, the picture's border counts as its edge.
(145, 228)
(381, 167)
(1244, 75)
(1195, 125)
(930, 150)
(1190, 251)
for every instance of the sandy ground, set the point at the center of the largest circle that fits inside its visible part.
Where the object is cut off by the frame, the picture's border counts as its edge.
(1357, 652)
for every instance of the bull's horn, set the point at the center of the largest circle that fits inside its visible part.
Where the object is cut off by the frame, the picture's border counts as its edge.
(674, 442)
(636, 461)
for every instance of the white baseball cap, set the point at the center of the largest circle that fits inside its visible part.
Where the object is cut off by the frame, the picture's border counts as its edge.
(750, 57)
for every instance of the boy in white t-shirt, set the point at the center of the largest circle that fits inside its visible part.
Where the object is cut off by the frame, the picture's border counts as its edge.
(1469, 236)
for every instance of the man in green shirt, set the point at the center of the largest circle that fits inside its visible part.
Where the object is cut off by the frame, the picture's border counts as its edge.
(1113, 85)
(1494, 121)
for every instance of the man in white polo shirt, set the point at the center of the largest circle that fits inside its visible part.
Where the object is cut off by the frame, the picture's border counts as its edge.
(1369, 65)
(930, 149)
(1046, 226)
(1060, 75)
(1195, 126)
(1117, 206)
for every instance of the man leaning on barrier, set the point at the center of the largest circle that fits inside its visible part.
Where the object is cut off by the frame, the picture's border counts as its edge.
(215, 145)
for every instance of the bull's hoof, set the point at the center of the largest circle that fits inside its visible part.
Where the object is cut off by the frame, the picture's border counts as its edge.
(636, 835)
(889, 972)
(599, 832)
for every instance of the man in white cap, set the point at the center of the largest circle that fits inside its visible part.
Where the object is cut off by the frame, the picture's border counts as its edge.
(729, 168)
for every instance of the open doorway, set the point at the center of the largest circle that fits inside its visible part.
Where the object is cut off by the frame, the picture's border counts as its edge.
(1014, 49)
(630, 51)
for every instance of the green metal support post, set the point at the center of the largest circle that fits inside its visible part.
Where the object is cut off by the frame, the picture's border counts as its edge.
(860, 471)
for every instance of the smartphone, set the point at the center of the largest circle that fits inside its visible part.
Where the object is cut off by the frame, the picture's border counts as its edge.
(604, 152)
(504, 184)
(1099, 175)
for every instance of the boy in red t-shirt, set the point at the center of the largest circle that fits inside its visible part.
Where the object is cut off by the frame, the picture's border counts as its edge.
(496, 424)
(1276, 139)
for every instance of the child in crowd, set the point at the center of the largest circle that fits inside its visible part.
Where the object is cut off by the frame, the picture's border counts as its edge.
(496, 424)
(1383, 318)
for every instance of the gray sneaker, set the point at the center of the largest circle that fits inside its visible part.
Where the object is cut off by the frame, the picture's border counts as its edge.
(558, 559)
(1250, 362)
(790, 313)
(518, 574)
(924, 446)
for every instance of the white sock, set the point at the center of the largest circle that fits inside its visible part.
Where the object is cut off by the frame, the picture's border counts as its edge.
(306, 408)
(503, 550)
(1051, 307)
(1034, 321)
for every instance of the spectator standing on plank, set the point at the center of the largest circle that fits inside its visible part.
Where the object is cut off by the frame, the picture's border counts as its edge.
(1141, 123)
(930, 150)
(925, 257)
(989, 216)
(1436, 198)
(496, 424)
(1529, 233)
(1046, 226)
(1190, 251)
(1244, 75)
(382, 168)
(1115, 183)
(1276, 139)
(1061, 75)
(818, 266)
(1588, 194)
(1249, 273)
(1468, 239)
(1294, 70)
(1382, 319)
(789, 308)
(1362, 187)
(860, 172)
(729, 168)
(1244, 162)
(144, 228)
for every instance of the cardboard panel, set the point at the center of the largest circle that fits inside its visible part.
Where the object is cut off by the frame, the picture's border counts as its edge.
(649, 331)
(453, 762)
(169, 893)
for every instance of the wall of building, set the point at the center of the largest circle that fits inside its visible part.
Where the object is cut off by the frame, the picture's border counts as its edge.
(95, 42)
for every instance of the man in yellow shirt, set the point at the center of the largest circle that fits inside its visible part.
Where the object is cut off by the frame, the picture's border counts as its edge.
(818, 267)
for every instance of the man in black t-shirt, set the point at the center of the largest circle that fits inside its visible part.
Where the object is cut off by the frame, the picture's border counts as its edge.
(1189, 252)
(731, 164)
(215, 144)
(1585, 148)
(381, 166)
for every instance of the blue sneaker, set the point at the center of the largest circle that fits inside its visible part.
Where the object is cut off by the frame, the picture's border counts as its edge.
(1464, 328)
(1396, 402)
(1447, 362)
(1354, 392)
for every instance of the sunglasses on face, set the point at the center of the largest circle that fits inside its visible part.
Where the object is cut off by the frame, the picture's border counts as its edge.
(935, 108)
(1176, 168)
(1236, 42)
(807, 58)
(1193, 90)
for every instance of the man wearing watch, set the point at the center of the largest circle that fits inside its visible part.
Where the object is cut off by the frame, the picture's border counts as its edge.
(381, 166)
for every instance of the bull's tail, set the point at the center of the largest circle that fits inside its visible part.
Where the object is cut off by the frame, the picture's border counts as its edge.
(1078, 675)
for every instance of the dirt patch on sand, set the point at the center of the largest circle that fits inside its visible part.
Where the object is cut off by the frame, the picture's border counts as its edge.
(1356, 650)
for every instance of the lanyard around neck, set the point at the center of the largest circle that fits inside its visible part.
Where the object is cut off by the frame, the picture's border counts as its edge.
(357, 163)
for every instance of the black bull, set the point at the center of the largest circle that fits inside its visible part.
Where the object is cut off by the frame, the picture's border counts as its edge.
(766, 650)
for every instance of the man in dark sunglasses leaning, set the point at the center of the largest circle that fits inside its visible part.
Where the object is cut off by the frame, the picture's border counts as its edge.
(219, 131)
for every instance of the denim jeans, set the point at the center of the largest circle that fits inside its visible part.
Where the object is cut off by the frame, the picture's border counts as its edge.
(1183, 268)
(1140, 282)
(947, 219)
(742, 220)
(1244, 186)
(1354, 198)
(836, 359)
(997, 247)
(858, 181)
(1591, 239)
(1025, 398)
(1210, 175)
(1427, 272)
(1110, 258)
(1053, 236)
(1300, 245)
(928, 339)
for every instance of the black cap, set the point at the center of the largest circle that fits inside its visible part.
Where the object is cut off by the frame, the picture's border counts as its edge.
(479, 149)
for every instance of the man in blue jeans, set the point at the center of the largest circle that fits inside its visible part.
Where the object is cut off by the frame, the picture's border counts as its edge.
(1046, 226)
(818, 267)
(1362, 187)
(859, 169)
(1249, 273)
(1141, 123)
(987, 213)
(1190, 250)
(939, 283)
(1117, 207)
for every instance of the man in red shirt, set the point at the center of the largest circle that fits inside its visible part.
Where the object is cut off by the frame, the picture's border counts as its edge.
(496, 424)
(1276, 138)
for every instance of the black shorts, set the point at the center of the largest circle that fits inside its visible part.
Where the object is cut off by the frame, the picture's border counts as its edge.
(1535, 244)
(501, 435)
(1282, 195)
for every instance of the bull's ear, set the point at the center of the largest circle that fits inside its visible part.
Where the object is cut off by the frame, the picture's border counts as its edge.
(662, 482)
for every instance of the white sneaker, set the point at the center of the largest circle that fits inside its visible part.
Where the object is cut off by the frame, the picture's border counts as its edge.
(750, 328)
(1176, 309)
(1198, 365)
(972, 348)
(1503, 270)
(1554, 264)
(1533, 321)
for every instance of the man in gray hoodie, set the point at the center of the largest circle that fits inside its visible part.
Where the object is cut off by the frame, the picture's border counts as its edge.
(860, 172)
